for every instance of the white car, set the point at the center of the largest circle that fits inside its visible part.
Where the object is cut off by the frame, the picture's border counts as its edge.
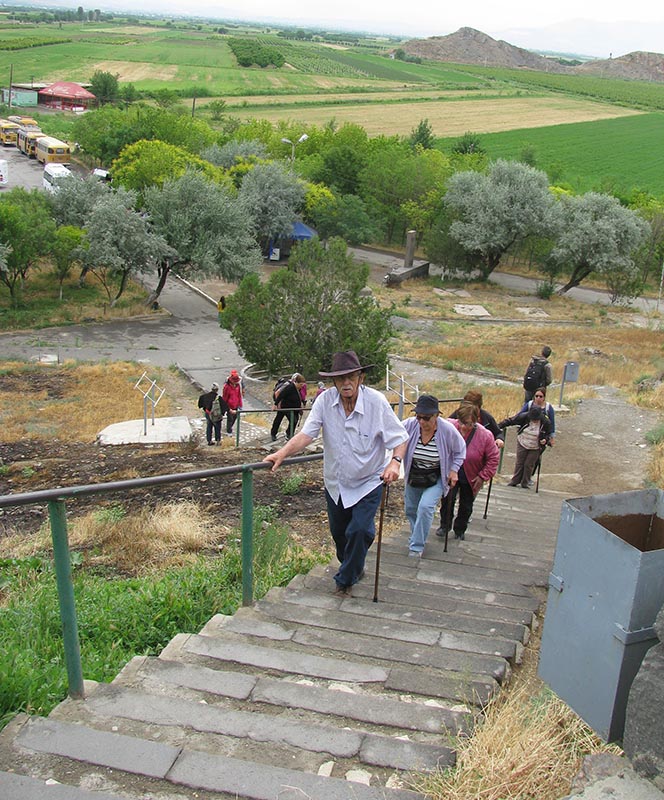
(53, 175)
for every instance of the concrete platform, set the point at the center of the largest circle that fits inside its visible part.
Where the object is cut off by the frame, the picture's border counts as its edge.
(164, 429)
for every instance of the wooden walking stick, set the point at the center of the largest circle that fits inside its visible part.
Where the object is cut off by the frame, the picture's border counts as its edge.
(383, 503)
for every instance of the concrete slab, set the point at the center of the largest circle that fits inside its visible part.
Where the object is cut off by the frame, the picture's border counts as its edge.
(20, 787)
(262, 782)
(112, 750)
(165, 429)
(469, 310)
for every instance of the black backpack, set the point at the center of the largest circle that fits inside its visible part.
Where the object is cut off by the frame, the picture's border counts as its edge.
(278, 386)
(535, 375)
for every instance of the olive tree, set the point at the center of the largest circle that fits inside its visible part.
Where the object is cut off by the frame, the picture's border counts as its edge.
(208, 229)
(500, 209)
(598, 235)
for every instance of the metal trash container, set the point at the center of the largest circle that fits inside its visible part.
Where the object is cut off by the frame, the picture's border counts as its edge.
(605, 590)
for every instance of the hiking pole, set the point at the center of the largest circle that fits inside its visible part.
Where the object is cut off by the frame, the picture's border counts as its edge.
(383, 503)
(488, 495)
(449, 514)
(539, 467)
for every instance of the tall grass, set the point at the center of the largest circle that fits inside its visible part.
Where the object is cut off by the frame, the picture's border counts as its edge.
(121, 617)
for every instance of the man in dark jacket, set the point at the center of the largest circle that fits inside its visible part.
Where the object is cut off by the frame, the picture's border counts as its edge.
(538, 373)
(287, 397)
(210, 402)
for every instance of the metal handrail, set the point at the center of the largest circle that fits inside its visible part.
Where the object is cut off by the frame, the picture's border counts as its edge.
(62, 558)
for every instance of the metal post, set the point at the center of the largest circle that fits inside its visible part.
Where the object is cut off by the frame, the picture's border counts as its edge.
(152, 400)
(401, 397)
(562, 386)
(247, 536)
(56, 513)
(145, 415)
(237, 427)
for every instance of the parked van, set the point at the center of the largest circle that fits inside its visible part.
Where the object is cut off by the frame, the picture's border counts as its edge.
(4, 173)
(8, 132)
(27, 141)
(52, 151)
(54, 174)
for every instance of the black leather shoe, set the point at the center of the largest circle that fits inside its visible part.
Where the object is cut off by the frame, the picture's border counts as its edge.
(441, 532)
(459, 535)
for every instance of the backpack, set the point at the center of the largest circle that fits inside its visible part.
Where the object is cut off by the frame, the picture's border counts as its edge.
(216, 413)
(535, 375)
(278, 387)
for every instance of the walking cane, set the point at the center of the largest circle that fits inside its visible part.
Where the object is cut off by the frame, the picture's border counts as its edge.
(539, 467)
(448, 516)
(383, 503)
(488, 495)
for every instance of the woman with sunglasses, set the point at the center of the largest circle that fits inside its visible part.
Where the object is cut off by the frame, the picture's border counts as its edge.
(434, 454)
(480, 465)
(539, 399)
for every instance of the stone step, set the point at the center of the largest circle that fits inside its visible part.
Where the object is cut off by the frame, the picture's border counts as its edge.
(193, 769)
(417, 616)
(366, 625)
(468, 687)
(303, 640)
(426, 595)
(200, 724)
(350, 701)
(22, 787)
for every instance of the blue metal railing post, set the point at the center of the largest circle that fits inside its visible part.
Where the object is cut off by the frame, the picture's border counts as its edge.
(247, 536)
(56, 513)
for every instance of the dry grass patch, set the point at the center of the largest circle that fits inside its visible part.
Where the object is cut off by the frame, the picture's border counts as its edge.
(172, 534)
(452, 118)
(74, 402)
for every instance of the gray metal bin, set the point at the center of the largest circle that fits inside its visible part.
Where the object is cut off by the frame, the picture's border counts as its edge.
(605, 590)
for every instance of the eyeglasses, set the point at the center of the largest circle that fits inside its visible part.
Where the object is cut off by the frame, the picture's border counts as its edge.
(539, 395)
(424, 417)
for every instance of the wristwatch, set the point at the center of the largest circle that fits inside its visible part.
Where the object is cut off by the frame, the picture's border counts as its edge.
(397, 459)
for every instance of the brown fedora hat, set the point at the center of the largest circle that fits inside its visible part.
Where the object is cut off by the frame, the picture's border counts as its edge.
(343, 363)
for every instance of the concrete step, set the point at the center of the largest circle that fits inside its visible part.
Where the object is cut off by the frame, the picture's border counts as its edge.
(192, 769)
(22, 787)
(464, 623)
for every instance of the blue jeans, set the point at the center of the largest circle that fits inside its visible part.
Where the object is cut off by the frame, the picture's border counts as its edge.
(420, 507)
(353, 530)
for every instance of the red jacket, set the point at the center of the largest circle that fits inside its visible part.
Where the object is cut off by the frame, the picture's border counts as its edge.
(232, 394)
(482, 455)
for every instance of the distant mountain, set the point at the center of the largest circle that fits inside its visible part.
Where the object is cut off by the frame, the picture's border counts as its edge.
(637, 66)
(469, 46)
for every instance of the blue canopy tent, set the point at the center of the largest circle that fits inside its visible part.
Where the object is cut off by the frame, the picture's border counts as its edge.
(281, 247)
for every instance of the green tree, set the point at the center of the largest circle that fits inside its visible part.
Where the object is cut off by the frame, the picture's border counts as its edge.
(165, 98)
(118, 242)
(598, 235)
(207, 228)
(469, 143)
(217, 109)
(422, 135)
(105, 87)
(129, 93)
(273, 196)
(64, 252)
(306, 312)
(496, 211)
(345, 216)
(26, 230)
(150, 163)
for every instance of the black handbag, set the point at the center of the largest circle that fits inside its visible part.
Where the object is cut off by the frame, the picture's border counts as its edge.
(423, 478)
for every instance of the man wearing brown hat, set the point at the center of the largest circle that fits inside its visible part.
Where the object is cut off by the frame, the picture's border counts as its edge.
(358, 427)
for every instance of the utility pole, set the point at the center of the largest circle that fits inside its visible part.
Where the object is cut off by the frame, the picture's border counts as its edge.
(11, 79)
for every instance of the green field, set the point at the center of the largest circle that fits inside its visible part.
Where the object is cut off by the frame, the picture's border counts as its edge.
(613, 154)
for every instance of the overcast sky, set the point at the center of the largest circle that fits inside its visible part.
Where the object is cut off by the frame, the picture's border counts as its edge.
(606, 26)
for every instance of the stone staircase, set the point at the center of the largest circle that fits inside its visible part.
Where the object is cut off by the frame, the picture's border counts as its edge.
(307, 695)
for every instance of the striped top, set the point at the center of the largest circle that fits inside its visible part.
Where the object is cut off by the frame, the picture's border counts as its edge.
(426, 456)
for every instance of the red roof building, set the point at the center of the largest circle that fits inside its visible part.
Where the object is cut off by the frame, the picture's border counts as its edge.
(67, 96)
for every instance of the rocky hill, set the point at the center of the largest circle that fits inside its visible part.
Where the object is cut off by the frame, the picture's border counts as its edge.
(638, 66)
(469, 46)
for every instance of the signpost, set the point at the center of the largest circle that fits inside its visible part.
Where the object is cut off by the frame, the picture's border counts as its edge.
(150, 391)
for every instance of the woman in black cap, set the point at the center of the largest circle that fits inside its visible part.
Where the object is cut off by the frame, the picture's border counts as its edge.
(434, 455)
